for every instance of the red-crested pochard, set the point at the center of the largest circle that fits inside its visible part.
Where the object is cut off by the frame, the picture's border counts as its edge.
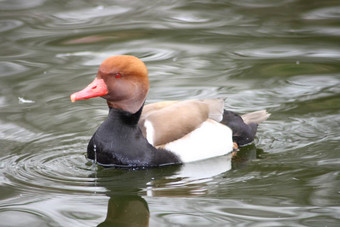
(164, 133)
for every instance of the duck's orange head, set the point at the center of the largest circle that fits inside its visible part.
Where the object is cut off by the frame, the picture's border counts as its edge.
(121, 80)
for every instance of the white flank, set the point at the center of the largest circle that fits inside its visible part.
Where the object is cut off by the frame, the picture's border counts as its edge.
(150, 131)
(211, 139)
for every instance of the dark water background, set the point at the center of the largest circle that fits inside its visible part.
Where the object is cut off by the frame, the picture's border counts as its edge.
(283, 56)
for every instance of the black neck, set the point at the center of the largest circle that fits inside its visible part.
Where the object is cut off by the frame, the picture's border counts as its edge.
(124, 117)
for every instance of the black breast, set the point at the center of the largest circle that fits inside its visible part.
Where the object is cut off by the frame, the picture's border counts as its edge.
(119, 142)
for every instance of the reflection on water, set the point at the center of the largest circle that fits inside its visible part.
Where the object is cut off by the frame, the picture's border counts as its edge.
(279, 55)
(127, 211)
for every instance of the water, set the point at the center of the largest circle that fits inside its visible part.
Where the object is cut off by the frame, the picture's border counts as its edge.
(282, 56)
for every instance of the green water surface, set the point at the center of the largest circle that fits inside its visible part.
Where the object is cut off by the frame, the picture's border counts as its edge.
(283, 56)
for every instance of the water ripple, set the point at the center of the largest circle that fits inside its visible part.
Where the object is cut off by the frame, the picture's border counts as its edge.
(146, 54)
(87, 14)
(288, 52)
(233, 212)
(281, 55)
(331, 31)
(6, 25)
(10, 68)
(262, 4)
(297, 133)
(323, 14)
(59, 167)
(20, 4)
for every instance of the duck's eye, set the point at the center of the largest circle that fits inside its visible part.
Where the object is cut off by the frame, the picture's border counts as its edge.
(118, 75)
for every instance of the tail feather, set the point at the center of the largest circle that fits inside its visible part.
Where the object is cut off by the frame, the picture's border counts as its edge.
(244, 127)
(255, 117)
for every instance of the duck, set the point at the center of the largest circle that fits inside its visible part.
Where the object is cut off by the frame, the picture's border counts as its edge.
(135, 135)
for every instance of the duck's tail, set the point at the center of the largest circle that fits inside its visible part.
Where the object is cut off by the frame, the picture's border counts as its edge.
(255, 117)
(244, 127)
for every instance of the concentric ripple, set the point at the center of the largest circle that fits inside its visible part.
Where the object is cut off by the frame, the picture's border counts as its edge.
(60, 167)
